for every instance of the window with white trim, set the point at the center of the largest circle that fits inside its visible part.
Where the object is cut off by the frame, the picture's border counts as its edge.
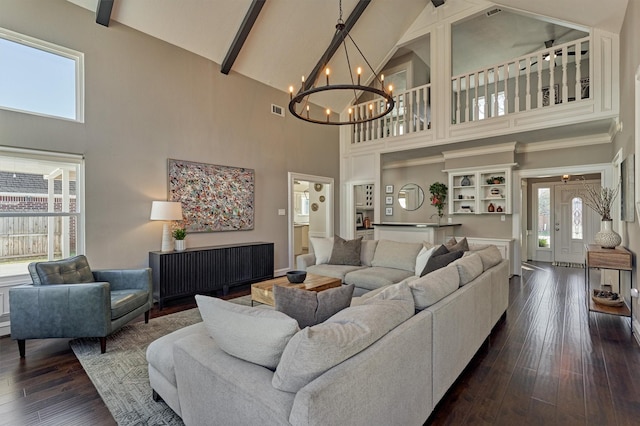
(41, 214)
(41, 78)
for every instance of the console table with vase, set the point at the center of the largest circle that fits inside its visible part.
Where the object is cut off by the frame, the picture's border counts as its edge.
(618, 259)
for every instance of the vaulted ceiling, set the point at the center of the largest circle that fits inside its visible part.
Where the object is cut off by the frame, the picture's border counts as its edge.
(290, 36)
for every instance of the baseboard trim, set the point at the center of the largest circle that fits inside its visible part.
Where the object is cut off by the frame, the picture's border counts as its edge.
(636, 329)
(5, 328)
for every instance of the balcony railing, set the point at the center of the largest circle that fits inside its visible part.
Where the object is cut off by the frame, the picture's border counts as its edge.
(552, 76)
(411, 114)
(549, 77)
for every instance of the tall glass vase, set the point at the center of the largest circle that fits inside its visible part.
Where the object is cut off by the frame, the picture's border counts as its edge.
(607, 237)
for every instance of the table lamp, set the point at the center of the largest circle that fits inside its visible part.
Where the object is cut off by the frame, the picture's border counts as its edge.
(166, 211)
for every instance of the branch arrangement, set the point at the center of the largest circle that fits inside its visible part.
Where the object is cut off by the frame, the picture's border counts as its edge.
(600, 199)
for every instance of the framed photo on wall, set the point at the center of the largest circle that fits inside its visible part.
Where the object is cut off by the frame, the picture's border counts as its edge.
(388, 211)
(388, 189)
(388, 200)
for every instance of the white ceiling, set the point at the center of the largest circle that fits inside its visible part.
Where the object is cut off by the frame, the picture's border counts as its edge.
(290, 36)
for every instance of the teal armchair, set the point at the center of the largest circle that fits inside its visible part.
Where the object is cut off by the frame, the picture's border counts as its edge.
(67, 299)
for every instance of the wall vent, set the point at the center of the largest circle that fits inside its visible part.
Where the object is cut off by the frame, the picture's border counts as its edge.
(277, 110)
(493, 12)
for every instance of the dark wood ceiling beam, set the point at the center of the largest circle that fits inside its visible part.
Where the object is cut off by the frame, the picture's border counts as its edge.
(335, 43)
(103, 12)
(241, 35)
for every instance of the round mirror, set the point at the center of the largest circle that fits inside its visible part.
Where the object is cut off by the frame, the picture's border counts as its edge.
(411, 197)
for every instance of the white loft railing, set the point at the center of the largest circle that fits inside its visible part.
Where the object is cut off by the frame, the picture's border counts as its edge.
(411, 114)
(549, 77)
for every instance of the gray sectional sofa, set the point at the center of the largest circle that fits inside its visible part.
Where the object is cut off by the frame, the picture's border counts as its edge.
(409, 342)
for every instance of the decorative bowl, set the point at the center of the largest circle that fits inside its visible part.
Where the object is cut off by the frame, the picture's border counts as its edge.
(607, 298)
(296, 277)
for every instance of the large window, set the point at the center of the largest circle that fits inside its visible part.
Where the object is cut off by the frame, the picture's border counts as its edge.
(41, 214)
(40, 78)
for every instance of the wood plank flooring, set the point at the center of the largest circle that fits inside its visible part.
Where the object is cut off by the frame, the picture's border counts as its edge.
(548, 363)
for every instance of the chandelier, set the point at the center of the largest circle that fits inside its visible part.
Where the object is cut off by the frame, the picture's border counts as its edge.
(299, 104)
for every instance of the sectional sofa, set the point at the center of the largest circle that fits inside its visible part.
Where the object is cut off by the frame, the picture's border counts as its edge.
(387, 359)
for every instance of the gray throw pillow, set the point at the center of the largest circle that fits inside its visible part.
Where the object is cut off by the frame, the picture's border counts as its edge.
(437, 252)
(436, 262)
(310, 307)
(345, 252)
(461, 245)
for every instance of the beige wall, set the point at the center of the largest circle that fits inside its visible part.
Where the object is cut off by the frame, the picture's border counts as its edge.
(625, 140)
(147, 101)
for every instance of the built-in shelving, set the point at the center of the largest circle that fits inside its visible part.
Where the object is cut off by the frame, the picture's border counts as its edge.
(485, 191)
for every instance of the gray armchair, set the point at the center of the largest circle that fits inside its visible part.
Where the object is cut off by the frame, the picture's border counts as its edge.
(69, 300)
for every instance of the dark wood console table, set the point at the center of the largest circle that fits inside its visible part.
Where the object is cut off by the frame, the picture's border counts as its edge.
(203, 270)
(619, 259)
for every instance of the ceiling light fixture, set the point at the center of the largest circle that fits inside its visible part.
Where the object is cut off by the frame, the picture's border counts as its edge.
(299, 104)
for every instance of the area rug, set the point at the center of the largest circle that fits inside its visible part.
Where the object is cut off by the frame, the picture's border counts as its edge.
(120, 375)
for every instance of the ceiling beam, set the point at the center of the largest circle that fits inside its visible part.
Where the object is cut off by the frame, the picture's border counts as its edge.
(335, 43)
(103, 12)
(241, 35)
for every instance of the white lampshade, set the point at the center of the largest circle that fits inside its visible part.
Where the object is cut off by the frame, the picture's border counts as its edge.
(166, 210)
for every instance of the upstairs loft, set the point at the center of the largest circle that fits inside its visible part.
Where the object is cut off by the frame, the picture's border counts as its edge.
(559, 85)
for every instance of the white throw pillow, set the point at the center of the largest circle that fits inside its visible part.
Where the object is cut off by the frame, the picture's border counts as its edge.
(322, 248)
(252, 334)
(423, 257)
(316, 349)
(435, 286)
(397, 255)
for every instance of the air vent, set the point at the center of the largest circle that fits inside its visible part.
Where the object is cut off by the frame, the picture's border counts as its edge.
(277, 110)
(493, 12)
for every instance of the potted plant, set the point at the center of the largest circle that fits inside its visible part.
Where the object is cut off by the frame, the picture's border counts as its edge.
(438, 197)
(179, 234)
(600, 199)
(495, 180)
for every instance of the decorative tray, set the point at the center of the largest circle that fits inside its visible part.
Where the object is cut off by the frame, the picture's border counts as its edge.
(607, 298)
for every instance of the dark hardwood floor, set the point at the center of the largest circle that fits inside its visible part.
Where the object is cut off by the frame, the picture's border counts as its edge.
(549, 362)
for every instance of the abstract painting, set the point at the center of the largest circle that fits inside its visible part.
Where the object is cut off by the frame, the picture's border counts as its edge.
(214, 198)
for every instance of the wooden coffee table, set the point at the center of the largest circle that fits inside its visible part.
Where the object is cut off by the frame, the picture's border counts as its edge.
(263, 292)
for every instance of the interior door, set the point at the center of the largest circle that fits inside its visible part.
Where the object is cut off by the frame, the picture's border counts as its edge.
(575, 224)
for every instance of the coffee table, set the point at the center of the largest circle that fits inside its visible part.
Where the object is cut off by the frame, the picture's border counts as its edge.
(263, 291)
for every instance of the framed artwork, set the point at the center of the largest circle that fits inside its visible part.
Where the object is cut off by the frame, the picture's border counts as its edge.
(546, 94)
(359, 220)
(388, 211)
(388, 200)
(627, 189)
(388, 189)
(214, 198)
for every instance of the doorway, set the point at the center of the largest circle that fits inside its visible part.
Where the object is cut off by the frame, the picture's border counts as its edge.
(536, 241)
(310, 211)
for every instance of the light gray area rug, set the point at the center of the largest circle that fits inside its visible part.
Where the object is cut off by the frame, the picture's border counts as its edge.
(121, 376)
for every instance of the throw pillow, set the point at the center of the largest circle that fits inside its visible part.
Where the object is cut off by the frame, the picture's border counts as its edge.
(439, 251)
(367, 251)
(422, 258)
(253, 334)
(322, 247)
(311, 307)
(345, 252)
(490, 256)
(469, 267)
(397, 255)
(437, 262)
(314, 350)
(461, 245)
(435, 286)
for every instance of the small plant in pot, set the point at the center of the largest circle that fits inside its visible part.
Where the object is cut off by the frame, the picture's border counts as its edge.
(179, 234)
(495, 180)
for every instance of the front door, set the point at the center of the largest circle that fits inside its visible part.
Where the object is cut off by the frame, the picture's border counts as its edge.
(575, 224)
